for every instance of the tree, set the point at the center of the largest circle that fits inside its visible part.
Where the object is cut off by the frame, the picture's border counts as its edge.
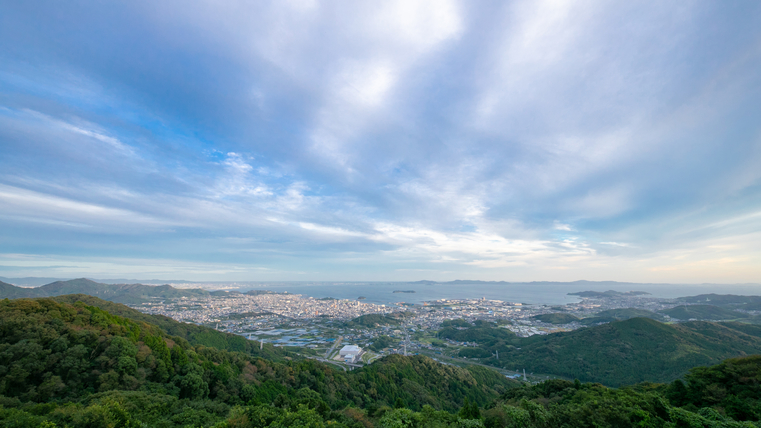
(399, 418)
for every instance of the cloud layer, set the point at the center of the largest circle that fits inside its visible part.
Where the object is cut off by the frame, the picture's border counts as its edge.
(545, 140)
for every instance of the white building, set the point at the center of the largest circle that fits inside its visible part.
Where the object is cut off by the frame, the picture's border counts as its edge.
(350, 353)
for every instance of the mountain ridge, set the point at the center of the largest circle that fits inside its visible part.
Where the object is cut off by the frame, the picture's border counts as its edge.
(121, 293)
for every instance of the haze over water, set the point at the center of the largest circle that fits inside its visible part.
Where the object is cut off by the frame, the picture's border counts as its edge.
(536, 293)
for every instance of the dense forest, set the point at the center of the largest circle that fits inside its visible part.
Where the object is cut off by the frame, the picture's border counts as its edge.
(67, 362)
(374, 320)
(746, 303)
(194, 334)
(556, 318)
(624, 352)
(122, 293)
(703, 312)
(70, 363)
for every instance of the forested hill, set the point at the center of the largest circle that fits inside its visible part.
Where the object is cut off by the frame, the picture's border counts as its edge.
(711, 397)
(72, 364)
(78, 366)
(122, 293)
(618, 353)
(634, 350)
(196, 335)
(747, 303)
(110, 366)
(703, 312)
(10, 291)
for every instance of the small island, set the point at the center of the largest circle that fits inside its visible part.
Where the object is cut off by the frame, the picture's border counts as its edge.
(361, 298)
(404, 291)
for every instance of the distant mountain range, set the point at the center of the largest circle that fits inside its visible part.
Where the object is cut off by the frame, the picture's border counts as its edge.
(121, 293)
(35, 281)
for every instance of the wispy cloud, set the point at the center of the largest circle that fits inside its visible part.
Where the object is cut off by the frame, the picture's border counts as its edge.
(521, 140)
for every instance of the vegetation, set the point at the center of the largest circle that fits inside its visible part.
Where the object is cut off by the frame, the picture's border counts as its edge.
(556, 318)
(597, 320)
(10, 291)
(627, 313)
(122, 293)
(374, 320)
(611, 315)
(624, 352)
(79, 361)
(561, 403)
(703, 312)
(456, 323)
(196, 335)
(381, 342)
(486, 334)
(739, 302)
(77, 365)
(733, 388)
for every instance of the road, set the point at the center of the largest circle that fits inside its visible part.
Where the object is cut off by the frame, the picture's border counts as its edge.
(336, 343)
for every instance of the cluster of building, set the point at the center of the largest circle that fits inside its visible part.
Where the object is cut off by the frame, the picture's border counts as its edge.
(318, 326)
(211, 309)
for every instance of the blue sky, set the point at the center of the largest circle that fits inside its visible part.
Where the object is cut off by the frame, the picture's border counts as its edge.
(400, 140)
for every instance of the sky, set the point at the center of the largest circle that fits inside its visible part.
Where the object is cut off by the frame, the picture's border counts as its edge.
(381, 141)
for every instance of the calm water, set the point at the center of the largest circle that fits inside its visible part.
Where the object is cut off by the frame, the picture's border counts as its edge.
(384, 292)
(532, 293)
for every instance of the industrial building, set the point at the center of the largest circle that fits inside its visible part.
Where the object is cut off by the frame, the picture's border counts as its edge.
(350, 353)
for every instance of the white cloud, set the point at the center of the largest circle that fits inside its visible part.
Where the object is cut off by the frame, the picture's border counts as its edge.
(239, 179)
(457, 134)
(28, 205)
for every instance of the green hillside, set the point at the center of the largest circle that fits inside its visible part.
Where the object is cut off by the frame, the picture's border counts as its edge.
(722, 299)
(77, 365)
(195, 334)
(122, 293)
(373, 320)
(627, 313)
(10, 291)
(112, 368)
(635, 350)
(729, 301)
(483, 333)
(703, 312)
(616, 353)
(713, 397)
(732, 386)
(556, 318)
(590, 321)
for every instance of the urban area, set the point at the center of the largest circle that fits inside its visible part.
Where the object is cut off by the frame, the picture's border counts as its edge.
(351, 333)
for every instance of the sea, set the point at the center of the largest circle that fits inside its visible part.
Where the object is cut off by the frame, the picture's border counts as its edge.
(534, 293)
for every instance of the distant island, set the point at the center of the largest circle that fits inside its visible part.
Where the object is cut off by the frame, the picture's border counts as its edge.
(609, 293)
(404, 291)
(361, 298)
